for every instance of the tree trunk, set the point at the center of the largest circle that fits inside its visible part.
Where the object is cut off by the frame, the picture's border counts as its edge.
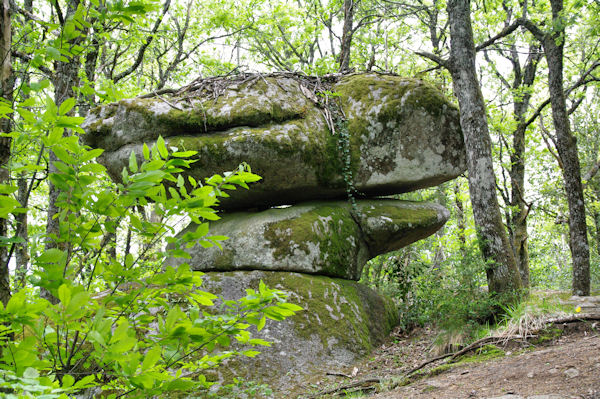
(6, 91)
(347, 33)
(501, 269)
(22, 249)
(66, 76)
(460, 219)
(566, 145)
(519, 208)
(597, 225)
(567, 150)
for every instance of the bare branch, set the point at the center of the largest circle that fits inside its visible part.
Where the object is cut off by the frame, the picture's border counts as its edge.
(591, 173)
(25, 13)
(142, 50)
(438, 60)
(505, 32)
(532, 28)
(582, 81)
(547, 137)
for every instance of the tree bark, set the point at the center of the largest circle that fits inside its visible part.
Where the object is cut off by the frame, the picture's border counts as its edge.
(567, 150)
(597, 225)
(566, 144)
(22, 249)
(347, 33)
(519, 208)
(460, 219)
(501, 269)
(6, 91)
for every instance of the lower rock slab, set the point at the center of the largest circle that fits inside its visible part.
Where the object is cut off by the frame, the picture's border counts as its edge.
(342, 321)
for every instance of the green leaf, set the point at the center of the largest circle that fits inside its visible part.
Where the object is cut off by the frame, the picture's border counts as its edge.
(64, 294)
(146, 152)
(15, 303)
(52, 255)
(184, 154)
(66, 106)
(128, 261)
(152, 356)
(7, 189)
(91, 154)
(123, 345)
(67, 381)
(162, 148)
(53, 53)
(95, 336)
(63, 155)
(30, 372)
(261, 323)
(133, 166)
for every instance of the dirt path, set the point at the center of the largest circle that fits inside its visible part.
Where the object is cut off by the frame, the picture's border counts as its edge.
(562, 367)
(569, 368)
(562, 362)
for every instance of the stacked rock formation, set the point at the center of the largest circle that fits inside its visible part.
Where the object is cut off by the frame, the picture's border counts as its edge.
(390, 135)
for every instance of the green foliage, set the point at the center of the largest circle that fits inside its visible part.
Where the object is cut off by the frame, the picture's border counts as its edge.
(447, 295)
(132, 322)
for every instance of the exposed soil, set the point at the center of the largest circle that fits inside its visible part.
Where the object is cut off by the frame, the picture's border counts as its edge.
(565, 365)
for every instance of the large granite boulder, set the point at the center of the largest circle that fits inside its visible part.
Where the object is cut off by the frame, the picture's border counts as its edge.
(342, 321)
(329, 238)
(403, 135)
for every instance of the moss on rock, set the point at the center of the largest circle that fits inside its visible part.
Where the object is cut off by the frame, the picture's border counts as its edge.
(403, 135)
(341, 322)
(329, 238)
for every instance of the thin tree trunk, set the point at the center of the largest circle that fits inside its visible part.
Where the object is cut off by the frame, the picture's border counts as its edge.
(6, 91)
(347, 33)
(22, 249)
(567, 150)
(566, 145)
(460, 219)
(66, 77)
(597, 225)
(519, 208)
(501, 269)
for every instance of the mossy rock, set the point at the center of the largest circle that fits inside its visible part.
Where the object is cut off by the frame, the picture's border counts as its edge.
(328, 238)
(342, 321)
(400, 127)
(404, 135)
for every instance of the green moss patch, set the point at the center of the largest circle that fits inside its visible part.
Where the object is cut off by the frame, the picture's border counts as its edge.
(328, 229)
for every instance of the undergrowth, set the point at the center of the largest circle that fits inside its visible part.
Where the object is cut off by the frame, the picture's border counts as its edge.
(451, 297)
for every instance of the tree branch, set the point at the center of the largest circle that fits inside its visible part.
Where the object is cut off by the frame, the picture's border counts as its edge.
(505, 32)
(582, 81)
(532, 28)
(27, 58)
(547, 138)
(438, 60)
(142, 50)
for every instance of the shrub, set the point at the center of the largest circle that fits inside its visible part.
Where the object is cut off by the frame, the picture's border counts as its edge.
(126, 321)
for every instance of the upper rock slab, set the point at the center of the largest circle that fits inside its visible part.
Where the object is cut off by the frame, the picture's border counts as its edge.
(403, 134)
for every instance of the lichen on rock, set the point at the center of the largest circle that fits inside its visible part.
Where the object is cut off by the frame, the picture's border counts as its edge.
(404, 135)
(330, 238)
(341, 322)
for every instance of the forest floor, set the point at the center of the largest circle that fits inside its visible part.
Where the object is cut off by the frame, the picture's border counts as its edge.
(561, 362)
